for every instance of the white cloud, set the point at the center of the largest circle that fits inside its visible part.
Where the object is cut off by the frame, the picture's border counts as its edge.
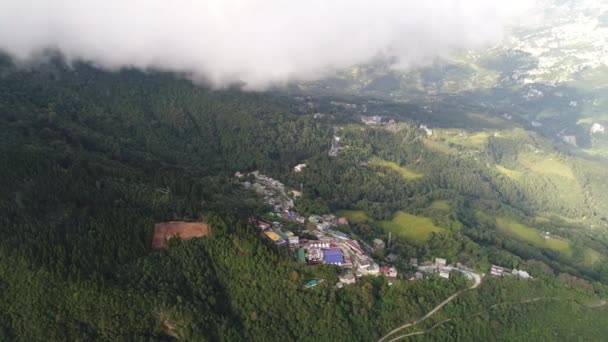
(258, 42)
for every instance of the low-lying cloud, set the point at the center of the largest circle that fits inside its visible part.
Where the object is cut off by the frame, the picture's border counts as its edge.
(255, 42)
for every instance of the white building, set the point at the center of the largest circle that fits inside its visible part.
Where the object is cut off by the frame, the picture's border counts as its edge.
(440, 262)
(299, 167)
(497, 271)
(597, 128)
(293, 241)
(521, 274)
(378, 244)
(444, 274)
(426, 129)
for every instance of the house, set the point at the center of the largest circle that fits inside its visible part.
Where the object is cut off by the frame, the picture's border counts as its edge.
(444, 273)
(355, 247)
(496, 271)
(426, 130)
(348, 278)
(272, 236)
(342, 221)
(293, 241)
(314, 255)
(389, 271)
(521, 274)
(263, 224)
(299, 167)
(378, 244)
(371, 120)
(440, 262)
(597, 128)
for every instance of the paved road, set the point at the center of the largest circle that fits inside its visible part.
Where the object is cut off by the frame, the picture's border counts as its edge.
(472, 275)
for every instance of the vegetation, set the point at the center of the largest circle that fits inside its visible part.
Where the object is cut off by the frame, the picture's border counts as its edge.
(532, 235)
(403, 171)
(90, 160)
(411, 227)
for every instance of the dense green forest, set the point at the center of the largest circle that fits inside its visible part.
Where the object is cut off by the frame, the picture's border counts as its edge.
(90, 160)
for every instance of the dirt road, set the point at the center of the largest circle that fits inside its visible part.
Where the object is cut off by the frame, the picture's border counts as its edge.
(477, 281)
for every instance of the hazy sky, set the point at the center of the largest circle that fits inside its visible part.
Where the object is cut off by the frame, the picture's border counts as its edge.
(258, 42)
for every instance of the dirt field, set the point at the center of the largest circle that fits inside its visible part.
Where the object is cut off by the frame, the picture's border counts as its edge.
(184, 230)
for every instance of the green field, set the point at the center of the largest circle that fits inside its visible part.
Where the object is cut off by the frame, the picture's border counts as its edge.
(411, 227)
(533, 236)
(515, 175)
(354, 216)
(591, 257)
(404, 172)
(476, 140)
(546, 165)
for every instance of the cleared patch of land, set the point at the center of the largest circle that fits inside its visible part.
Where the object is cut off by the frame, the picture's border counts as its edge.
(440, 205)
(546, 165)
(451, 137)
(591, 257)
(531, 235)
(184, 230)
(411, 227)
(515, 175)
(354, 216)
(437, 146)
(403, 171)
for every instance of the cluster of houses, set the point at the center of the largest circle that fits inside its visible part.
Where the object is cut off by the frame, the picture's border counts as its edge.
(273, 191)
(329, 245)
(372, 120)
(499, 271)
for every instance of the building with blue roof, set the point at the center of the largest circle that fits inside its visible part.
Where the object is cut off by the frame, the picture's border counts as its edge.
(333, 256)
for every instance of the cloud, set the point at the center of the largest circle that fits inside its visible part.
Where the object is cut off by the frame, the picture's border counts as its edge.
(256, 42)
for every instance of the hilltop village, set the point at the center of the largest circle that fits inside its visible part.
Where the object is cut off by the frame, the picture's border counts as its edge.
(319, 239)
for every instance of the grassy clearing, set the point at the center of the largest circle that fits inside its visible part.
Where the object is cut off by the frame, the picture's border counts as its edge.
(411, 227)
(477, 140)
(354, 216)
(437, 146)
(404, 172)
(515, 175)
(440, 205)
(591, 257)
(546, 165)
(533, 236)
(541, 219)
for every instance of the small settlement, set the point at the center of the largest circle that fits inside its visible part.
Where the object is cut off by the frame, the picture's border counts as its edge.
(329, 245)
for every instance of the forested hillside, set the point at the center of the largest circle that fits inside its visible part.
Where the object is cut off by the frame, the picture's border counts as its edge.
(90, 160)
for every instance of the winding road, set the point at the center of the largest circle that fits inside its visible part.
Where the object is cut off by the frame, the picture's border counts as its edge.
(472, 275)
